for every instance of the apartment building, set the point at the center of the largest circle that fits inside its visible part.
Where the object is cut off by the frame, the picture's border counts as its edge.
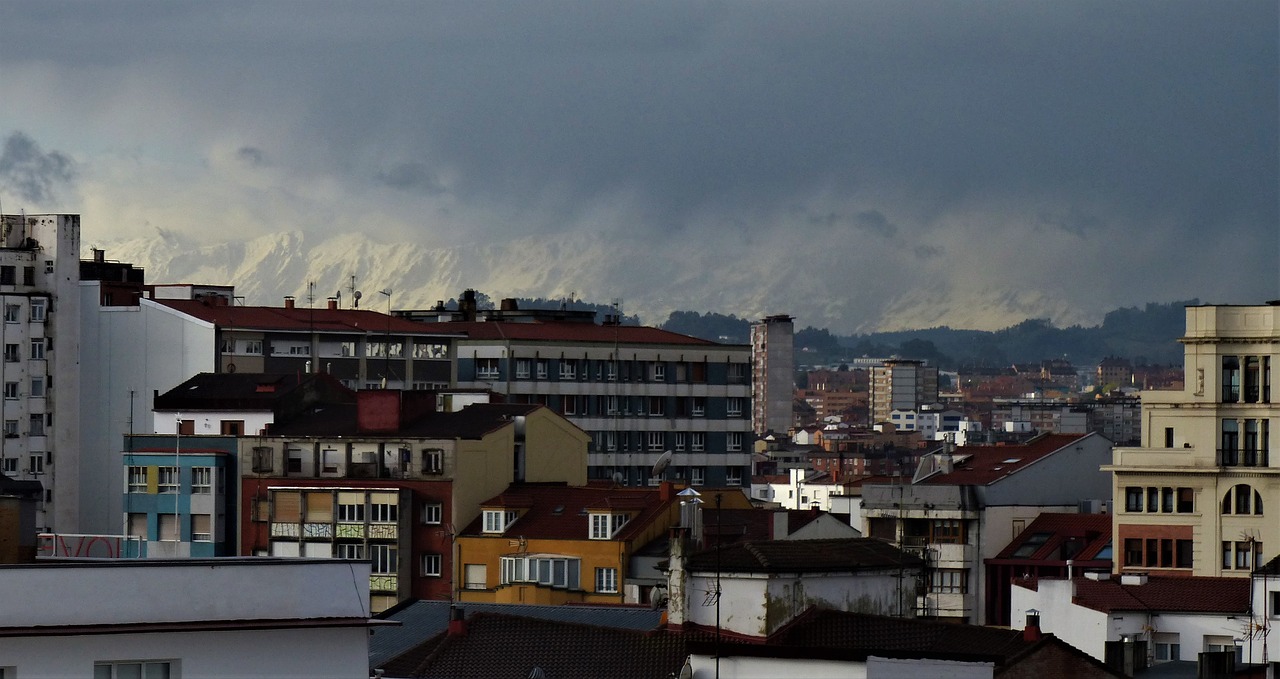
(773, 367)
(39, 256)
(637, 391)
(901, 384)
(1194, 498)
(140, 341)
(180, 497)
(966, 505)
(390, 480)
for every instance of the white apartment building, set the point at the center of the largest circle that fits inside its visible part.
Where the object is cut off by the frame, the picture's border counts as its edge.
(189, 619)
(1199, 496)
(40, 334)
(773, 367)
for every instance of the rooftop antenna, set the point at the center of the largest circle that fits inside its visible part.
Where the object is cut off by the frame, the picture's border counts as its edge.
(311, 293)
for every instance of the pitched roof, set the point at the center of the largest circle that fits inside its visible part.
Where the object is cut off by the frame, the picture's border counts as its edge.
(565, 332)
(753, 524)
(472, 422)
(839, 629)
(802, 556)
(1165, 594)
(242, 391)
(1044, 539)
(501, 646)
(422, 620)
(984, 465)
(302, 319)
(554, 511)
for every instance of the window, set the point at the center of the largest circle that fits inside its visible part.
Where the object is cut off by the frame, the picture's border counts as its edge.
(9, 465)
(486, 368)
(733, 476)
(430, 350)
(522, 368)
(681, 441)
(201, 528)
(474, 576)
(28, 275)
(1242, 499)
(430, 565)
(202, 480)
(1230, 379)
(350, 507)
(949, 581)
(253, 346)
(657, 440)
(37, 387)
(11, 390)
(659, 372)
(12, 312)
(1153, 499)
(137, 479)
(600, 527)
(733, 407)
(432, 513)
(738, 373)
(698, 441)
(8, 275)
(1184, 553)
(383, 509)
(168, 479)
(432, 460)
(36, 460)
(697, 475)
(1165, 646)
(1230, 448)
(657, 406)
(232, 427)
(37, 349)
(1186, 500)
(384, 558)
(568, 369)
(1168, 437)
(1133, 552)
(606, 581)
(1246, 554)
(11, 429)
(36, 425)
(375, 349)
(733, 441)
(699, 406)
(11, 353)
(344, 550)
(48, 266)
(1133, 499)
(561, 572)
(149, 669)
(544, 368)
(498, 520)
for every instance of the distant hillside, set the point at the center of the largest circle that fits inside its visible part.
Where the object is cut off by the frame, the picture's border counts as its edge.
(1145, 335)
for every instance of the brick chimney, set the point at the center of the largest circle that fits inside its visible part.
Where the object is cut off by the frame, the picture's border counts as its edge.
(457, 622)
(1032, 631)
(333, 304)
(288, 302)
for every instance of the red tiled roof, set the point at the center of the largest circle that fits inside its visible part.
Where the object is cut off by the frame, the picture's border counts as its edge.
(299, 318)
(753, 524)
(1093, 529)
(982, 465)
(564, 332)
(558, 512)
(1171, 594)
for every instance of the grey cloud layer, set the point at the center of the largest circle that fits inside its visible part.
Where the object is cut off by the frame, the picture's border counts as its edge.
(916, 127)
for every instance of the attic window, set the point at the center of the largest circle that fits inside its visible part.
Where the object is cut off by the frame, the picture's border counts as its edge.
(1012, 460)
(605, 526)
(558, 510)
(497, 520)
(1031, 545)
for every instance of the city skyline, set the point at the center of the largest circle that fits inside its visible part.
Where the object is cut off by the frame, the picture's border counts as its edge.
(917, 159)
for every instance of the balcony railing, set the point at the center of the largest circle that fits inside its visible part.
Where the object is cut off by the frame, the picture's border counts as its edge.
(1243, 458)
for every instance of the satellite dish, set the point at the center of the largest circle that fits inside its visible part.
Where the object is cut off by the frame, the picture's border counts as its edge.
(664, 461)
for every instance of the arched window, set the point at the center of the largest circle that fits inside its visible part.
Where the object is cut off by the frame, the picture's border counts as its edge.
(1242, 500)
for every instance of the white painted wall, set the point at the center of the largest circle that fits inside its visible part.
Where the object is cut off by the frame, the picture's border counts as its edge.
(737, 667)
(210, 421)
(142, 350)
(252, 654)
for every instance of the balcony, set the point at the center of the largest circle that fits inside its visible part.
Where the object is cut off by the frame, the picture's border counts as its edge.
(943, 605)
(382, 582)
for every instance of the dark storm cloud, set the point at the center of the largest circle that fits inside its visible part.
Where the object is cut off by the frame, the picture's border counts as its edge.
(412, 177)
(251, 156)
(30, 173)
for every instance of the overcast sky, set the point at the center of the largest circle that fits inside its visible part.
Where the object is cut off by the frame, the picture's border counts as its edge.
(1101, 153)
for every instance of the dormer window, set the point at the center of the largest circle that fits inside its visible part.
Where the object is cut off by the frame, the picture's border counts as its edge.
(497, 520)
(605, 526)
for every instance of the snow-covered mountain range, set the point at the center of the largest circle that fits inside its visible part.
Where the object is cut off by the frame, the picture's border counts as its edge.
(585, 266)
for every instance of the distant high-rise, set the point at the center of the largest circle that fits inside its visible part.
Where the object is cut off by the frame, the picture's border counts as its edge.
(39, 281)
(772, 373)
(901, 384)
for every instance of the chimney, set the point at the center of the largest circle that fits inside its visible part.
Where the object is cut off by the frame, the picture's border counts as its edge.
(665, 491)
(99, 256)
(1032, 631)
(288, 301)
(509, 304)
(333, 304)
(676, 576)
(457, 622)
(781, 524)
